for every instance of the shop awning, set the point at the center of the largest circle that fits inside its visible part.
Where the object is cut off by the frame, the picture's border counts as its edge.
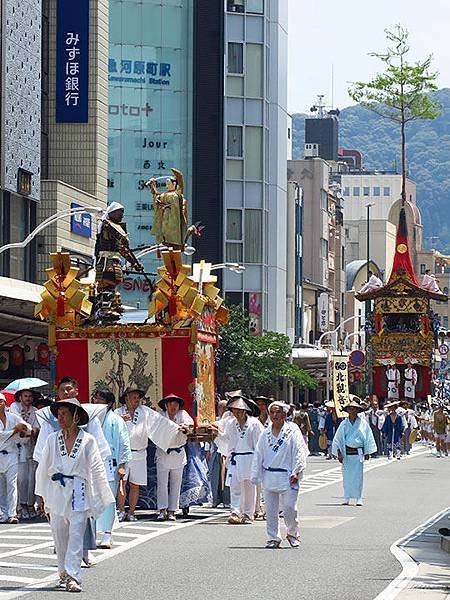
(17, 301)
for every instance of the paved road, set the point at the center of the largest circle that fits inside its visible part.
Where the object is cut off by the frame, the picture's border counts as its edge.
(344, 552)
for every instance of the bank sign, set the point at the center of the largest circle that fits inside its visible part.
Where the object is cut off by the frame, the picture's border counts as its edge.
(72, 61)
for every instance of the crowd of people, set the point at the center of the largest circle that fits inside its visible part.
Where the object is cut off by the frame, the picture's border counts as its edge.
(81, 465)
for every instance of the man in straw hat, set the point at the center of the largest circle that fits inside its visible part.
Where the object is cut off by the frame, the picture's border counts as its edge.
(393, 428)
(278, 464)
(23, 407)
(143, 424)
(71, 477)
(13, 430)
(352, 444)
(171, 462)
(263, 403)
(241, 434)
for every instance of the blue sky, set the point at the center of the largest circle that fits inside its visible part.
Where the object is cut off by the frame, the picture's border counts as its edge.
(328, 32)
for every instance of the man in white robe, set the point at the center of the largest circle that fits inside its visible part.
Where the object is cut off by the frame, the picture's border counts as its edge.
(170, 463)
(240, 434)
(410, 381)
(143, 424)
(352, 444)
(393, 382)
(67, 390)
(429, 282)
(23, 408)
(13, 430)
(71, 477)
(278, 465)
(372, 284)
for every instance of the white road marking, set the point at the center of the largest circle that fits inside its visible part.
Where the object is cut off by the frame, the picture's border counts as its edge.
(409, 565)
(29, 580)
(29, 566)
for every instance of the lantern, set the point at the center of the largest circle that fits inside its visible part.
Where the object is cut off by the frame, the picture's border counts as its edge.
(16, 356)
(43, 354)
(4, 361)
(29, 351)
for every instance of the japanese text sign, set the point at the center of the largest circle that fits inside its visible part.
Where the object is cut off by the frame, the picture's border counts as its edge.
(340, 383)
(72, 61)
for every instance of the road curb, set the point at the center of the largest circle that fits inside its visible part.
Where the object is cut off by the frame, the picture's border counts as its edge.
(410, 567)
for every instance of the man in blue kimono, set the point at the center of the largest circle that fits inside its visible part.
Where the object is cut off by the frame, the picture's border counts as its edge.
(352, 444)
(393, 428)
(116, 434)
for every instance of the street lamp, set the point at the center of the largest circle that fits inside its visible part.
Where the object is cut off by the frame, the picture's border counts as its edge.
(235, 267)
(68, 212)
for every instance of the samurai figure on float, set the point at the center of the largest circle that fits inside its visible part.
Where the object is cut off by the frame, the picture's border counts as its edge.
(170, 222)
(111, 247)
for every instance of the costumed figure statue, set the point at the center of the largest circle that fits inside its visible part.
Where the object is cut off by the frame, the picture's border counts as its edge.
(170, 225)
(110, 247)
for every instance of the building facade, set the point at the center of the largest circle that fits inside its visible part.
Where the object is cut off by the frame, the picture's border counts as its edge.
(323, 247)
(255, 153)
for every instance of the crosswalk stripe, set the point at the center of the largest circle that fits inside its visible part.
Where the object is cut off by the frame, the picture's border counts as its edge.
(30, 566)
(18, 579)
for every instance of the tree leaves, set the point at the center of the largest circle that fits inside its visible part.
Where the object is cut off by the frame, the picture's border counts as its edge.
(255, 364)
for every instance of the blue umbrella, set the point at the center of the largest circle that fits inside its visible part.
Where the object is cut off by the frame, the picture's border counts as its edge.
(26, 383)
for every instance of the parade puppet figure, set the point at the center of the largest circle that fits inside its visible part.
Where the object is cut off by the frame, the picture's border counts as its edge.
(111, 247)
(393, 382)
(410, 381)
(170, 221)
(430, 283)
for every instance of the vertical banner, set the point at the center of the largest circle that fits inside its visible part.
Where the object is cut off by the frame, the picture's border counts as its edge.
(340, 383)
(72, 61)
(323, 310)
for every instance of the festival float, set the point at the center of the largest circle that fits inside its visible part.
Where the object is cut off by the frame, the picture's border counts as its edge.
(401, 330)
(173, 350)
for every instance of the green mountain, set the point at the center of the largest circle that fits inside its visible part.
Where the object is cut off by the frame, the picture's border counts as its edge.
(428, 158)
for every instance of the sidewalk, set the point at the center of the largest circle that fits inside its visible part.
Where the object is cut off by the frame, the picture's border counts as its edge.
(432, 579)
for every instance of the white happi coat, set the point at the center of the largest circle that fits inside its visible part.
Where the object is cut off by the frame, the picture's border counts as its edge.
(240, 441)
(410, 382)
(49, 424)
(145, 425)
(393, 377)
(26, 446)
(287, 453)
(8, 442)
(89, 490)
(175, 460)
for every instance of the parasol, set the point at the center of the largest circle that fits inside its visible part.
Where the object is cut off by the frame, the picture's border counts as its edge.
(26, 383)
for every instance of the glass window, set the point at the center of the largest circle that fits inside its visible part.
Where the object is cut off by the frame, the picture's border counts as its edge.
(234, 252)
(366, 191)
(235, 169)
(324, 248)
(356, 191)
(386, 191)
(376, 190)
(253, 236)
(234, 225)
(422, 269)
(254, 70)
(236, 6)
(235, 57)
(323, 199)
(233, 298)
(235, 86)
(445, 322)
(346, 191)
(255, 6)
(445, 290)
(253, 153)
(234, 140)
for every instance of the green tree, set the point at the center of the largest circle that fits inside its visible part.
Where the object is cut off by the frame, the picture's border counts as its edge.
(400, 92)
(256, 364)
